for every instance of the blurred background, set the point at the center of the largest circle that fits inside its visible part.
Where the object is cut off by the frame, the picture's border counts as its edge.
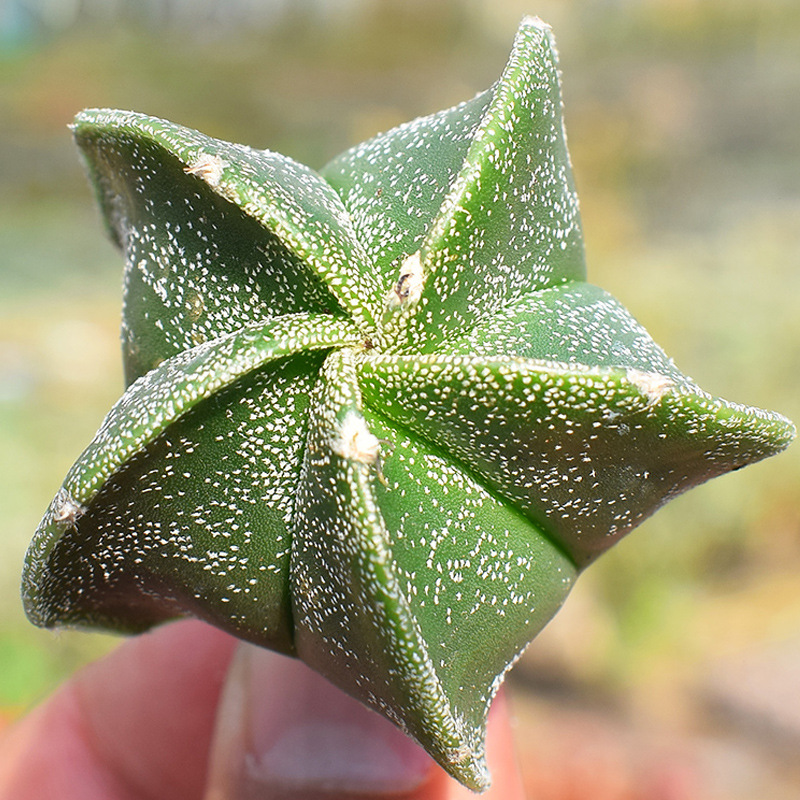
(673, 671)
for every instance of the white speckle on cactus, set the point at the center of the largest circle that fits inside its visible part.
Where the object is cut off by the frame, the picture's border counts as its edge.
(208, 167)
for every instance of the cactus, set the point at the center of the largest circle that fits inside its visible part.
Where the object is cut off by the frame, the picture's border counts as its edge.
(375, 416)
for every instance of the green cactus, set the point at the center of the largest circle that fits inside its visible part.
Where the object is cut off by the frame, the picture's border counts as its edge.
(375, 416)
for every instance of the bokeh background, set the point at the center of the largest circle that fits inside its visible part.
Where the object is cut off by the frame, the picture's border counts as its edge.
(673, 671)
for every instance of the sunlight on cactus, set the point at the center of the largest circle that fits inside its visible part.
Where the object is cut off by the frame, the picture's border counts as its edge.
(375, 417)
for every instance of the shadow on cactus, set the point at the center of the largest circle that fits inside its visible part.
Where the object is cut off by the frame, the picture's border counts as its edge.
(375, 417)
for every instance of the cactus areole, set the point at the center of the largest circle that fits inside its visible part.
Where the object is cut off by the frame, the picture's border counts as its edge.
(375, 416)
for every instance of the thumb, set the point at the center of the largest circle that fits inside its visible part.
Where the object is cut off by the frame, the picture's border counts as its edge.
(283, 733)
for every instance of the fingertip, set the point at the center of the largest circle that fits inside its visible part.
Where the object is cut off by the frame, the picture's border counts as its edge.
(135, 724)
(285, 732)
(149, 707)
(140, 723)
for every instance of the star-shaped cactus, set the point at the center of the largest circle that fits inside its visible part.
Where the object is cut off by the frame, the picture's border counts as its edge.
(376, 418)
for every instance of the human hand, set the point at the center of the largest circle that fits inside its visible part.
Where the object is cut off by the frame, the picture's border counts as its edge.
(140, 725)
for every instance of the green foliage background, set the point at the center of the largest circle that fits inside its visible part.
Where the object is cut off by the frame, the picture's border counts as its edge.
(682, 120)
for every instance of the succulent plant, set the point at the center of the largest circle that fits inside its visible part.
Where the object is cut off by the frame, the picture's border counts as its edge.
(375, 418)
